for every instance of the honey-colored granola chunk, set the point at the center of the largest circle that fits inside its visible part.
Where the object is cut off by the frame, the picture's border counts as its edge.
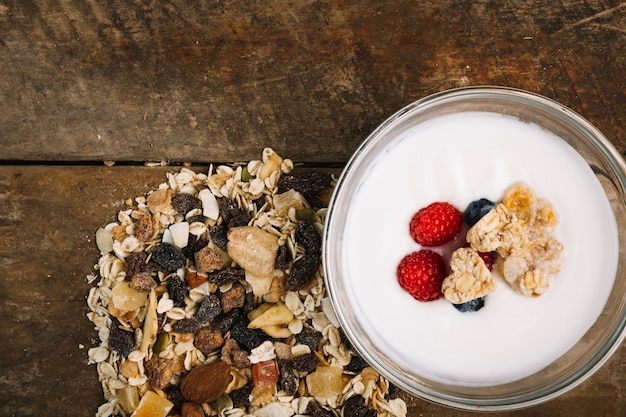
(470, 277)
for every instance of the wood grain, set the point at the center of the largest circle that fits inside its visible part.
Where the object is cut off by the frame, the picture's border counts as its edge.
(48, 217)
(205, 81)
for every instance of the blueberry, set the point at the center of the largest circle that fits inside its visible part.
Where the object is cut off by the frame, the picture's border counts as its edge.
(471, 305)
(476, 210)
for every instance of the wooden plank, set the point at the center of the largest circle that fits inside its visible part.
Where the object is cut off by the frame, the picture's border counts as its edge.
(48, 216)
(205, 81)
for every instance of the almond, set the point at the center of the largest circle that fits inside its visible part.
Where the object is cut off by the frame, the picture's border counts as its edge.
(207, 382)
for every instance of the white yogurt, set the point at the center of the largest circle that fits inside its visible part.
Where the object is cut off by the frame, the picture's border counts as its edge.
(460, 158)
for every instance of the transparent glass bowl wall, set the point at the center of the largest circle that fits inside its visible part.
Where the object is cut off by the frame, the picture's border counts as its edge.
(599, 342)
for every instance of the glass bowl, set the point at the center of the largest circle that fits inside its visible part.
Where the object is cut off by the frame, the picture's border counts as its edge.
(457, 146)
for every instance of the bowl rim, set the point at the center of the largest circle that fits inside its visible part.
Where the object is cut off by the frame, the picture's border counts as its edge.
(579, 123)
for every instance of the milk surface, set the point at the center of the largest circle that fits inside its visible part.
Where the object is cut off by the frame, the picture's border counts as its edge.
(460, 158)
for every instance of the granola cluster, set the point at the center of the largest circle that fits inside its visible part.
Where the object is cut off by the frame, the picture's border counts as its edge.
(520, 231)
(210, 300)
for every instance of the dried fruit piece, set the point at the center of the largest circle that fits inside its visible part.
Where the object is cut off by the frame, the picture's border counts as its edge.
(210, 259)
(308, 236)
(177, 290)
(135, 263)
(308, 183)
(160, 371)
(270, 315)
(120, 340)
(152, 405)
(183, 203)
(208, 340)
(325, 382)
(168, 256)
(306, 363)
(143, 281)
(125, 298)
(302, 272)
(265, 373)
(209, 308)
(205, 383)
(227, 275)
(144, 229)
(186, 326)
(233, 298)
(191, 410)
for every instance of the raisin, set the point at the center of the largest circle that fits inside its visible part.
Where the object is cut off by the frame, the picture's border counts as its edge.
(230, 210)
(197, 218)
(356, 365)
(135, 263)
(120, 340)
(168, 256)
(305, 363)
(241, 220)
(227, 275)
(177, 290)
(219, 235)
(249, 304)
(241, 397)
(310, 337)
(186, 326)
(259, 203)
(302, 272)
(193, 246)
(246, 338)
(309, 183)
(183, 203)
(288, 381)
(225, 320)
(209, 308)
(308, 236)
(355, 407)
(316, 410)
(283, 259)
(174, 395)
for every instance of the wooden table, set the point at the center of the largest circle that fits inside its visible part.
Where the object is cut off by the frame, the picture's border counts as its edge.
(83, 82)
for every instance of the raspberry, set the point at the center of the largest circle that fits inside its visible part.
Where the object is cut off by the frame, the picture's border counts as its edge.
(421, 274)
(436, 224)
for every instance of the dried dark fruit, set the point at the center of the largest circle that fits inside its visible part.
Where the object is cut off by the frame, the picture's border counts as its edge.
(246, 338)
(233, 298)
(316, 410)
(308, 236)
(357, 364)
(186, 326)
(209, 308)
(160, 371)
(310, 337)
(168, 256)
(208, 340)
(135, 263)
(288, 381)
(219, 235)
(241, 397)
(225, 320)
(234, 355)
(197, 218)
(355, 407)
(120, 340)
(249, 304)
(393, 392)
(309, 183)
(229, 210)
(143, 281)
(183, 203)
(174, 395)
(305, 363)
(177, 290)
(283, 259)
(302, 272)
(227, 275)
(193, 246)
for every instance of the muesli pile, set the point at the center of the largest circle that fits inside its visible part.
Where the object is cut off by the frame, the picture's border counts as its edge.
(210, 301)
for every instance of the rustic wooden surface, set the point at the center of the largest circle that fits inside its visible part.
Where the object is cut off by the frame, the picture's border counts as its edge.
(131, 81)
